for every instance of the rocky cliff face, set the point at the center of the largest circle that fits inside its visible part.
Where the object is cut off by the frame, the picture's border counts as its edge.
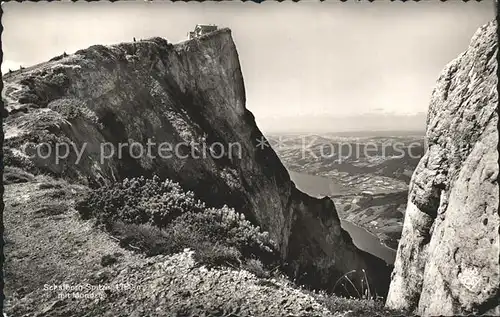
(447, 261)
(177, 111)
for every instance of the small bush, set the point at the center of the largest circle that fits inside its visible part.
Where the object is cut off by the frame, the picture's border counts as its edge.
(108, 259)
(158, 217)
(217, 255)
(141, 201)
(51, 209)
(49, 185)
(13, 175)
(12, 159)
(72, 109)
(256, 267)
(148, 239)
(226, 226)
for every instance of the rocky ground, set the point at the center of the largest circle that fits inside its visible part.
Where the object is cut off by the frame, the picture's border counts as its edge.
(60, 265)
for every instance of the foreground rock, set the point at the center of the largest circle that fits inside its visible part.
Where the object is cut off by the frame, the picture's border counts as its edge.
(187, 97)
(447, 261)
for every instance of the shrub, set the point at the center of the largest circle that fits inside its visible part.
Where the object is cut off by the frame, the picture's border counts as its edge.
(217, 255)
(72, 109)
(108, 259)
(13, 175)
(51, 209)
(158, 217)
(49, 185)
(141, 201)
(221, 226)
(256, 267)
(145, 238)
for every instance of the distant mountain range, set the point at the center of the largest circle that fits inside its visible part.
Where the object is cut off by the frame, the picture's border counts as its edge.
(352, 123)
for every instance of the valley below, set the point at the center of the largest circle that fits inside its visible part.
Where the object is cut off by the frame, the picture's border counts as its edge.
(365, 174)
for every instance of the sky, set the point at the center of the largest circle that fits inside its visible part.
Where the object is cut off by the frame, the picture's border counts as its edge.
(298, 59)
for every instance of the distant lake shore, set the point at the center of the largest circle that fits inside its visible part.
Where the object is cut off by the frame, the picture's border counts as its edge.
(318, 186)
(368, 242)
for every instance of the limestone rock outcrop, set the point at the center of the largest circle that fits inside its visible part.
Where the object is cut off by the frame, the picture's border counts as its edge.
(177, 111)
(447, 262)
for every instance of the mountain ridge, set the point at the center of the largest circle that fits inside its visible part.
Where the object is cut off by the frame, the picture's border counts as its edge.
(190, 92)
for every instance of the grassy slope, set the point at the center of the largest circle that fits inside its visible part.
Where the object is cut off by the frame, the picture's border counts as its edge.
(47, 243)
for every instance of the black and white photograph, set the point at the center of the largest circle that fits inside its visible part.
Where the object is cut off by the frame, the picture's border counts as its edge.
(250, 158)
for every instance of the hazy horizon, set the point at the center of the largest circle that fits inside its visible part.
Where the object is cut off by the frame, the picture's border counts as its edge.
(379, 123)
(299, 60)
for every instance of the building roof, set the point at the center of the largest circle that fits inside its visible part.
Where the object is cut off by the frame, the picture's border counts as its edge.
(205, 26)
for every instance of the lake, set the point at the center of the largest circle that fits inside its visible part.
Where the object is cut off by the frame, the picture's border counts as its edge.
(368, 242)
(318, 186)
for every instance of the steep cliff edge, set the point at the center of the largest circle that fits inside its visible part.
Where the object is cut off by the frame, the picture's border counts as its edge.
(447, 261)
(183, 107)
